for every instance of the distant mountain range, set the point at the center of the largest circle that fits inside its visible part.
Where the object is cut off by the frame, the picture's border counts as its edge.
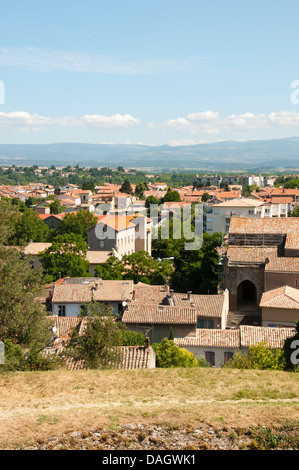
(252, 155)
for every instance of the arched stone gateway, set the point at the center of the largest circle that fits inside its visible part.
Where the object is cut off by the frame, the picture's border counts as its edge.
(246, 296)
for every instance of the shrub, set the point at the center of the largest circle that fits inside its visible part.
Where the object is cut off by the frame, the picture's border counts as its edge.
(17, 358)
(168, 354)
(260, 356)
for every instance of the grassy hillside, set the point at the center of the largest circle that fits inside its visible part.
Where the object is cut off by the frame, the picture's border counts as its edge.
(37, 405)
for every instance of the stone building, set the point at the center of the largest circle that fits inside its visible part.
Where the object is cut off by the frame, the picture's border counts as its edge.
(261, 254)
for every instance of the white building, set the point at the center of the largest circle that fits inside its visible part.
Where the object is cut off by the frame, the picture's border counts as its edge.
(69, 297)
(217, 216)
(218, 346)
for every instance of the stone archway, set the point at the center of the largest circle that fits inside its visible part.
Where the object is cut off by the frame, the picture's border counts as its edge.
(246, 296)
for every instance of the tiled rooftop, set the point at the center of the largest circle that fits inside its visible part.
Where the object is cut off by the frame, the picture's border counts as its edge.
(133, 357)
(283, 264)
(206, 305)
(273, 337)
(286, 226)
(150, 294)
(250, 254)
(244, 336)
(97, 257)
(212, 338)
(34, 248)
(159, 314)
(97, 290)
(285, 297)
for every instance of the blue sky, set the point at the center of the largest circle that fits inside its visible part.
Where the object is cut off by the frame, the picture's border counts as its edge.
(151, 72)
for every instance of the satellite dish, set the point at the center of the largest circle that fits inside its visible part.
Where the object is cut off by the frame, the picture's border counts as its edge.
(124, 303)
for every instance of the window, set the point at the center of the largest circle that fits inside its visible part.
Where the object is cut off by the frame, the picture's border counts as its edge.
(206, 324)
(227, 356)
(297, 283)
(61, 310)
(101, 243)
(210, 357)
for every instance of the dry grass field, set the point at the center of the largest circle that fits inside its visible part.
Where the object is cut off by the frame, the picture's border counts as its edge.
(37, 405)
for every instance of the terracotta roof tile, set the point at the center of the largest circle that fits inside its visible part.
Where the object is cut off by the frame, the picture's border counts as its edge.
(242, 337)
(97, 257)
(159, 314)
(132, 357)
(146, 294)
(288, 226)
(283, 264)
(107, 291)
(273, 337)
(212, 338)
(206, 305)
(285, 297)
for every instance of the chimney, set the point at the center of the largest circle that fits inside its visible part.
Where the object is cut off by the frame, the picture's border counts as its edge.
(134, 295)
(189, 294)
(171, 295)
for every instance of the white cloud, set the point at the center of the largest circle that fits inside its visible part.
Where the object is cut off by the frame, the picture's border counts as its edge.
(193, 128)
(209, 122)
(24, 121)
(203, 116)
(179, 123)
(284, 119)
(117, 121)
(246, 121)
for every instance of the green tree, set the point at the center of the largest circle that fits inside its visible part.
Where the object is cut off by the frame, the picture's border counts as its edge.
(112, 269)
(169, 354)
(24, 326)
(89, 185)
(9, 215)
(196, 270)
(151, 200)
(66, 257)
(295, 212)
(126, 187)
(55, 207)
(77, 223)
(130, 338)
(28, 227)
(225, 186)
(293, 183)
(140, 188)
(205, 197)
(141, 267)
(97, 345)
(171, 196)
